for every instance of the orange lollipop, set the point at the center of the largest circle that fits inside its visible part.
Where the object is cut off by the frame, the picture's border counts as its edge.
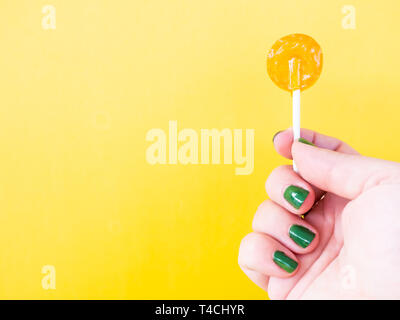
(294, 63)
(301, 52)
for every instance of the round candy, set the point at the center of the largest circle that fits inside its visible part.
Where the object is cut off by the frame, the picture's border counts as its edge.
(294, 62)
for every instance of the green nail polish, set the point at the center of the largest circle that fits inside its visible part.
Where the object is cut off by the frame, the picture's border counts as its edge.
(295, 196)
(301, 235)
(283, 261)
(302, 140)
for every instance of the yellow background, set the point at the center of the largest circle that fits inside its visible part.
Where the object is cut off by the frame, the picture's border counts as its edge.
(76, 191)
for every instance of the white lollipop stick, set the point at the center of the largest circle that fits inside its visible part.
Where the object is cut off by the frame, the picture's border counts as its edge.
(294, 76)
(296, 118)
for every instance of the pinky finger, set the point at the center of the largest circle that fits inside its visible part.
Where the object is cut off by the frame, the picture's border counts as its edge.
(261, 253)
(259, 279)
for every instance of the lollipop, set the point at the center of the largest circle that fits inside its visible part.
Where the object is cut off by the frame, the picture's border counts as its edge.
(294, 63)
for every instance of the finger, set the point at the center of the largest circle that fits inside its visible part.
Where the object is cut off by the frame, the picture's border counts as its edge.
(293, 232)
(261, 253)
(346, 175)
(315, 262)
(288, 189)
(283, 142)
(258, 278)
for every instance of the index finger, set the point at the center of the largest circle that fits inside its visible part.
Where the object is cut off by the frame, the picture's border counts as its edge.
(283, 142)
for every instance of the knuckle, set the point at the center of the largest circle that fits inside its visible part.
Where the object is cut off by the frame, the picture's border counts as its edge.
(278, 171)
(245, 245)
(263, 211)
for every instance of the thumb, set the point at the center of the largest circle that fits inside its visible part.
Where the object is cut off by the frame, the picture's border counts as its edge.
(346, 175)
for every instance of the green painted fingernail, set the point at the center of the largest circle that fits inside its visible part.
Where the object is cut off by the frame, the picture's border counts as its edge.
(283, 261)
(295, 196)
(301, 235)
(302, 140)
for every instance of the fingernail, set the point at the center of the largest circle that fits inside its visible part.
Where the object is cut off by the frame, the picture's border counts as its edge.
(295, 196)
(302, 140)
(301, 235)
(283, 261)
(273, 138)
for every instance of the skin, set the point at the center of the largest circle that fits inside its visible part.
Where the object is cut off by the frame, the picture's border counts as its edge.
(356, 251)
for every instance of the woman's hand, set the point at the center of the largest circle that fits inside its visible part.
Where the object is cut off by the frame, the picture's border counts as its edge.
(348, 245)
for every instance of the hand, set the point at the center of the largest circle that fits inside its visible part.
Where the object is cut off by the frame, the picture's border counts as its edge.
(348, 245)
